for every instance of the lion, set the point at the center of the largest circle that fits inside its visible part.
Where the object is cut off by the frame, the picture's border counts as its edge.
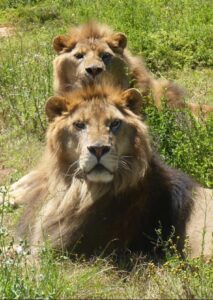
(93, 52)
(100, 186)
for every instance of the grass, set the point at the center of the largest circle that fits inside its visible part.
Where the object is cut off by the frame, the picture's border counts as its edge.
(175, 37)
(62, 278)
(59, 277)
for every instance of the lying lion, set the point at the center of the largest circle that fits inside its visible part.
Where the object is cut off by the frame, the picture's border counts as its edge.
(93, 52)
(99, 185)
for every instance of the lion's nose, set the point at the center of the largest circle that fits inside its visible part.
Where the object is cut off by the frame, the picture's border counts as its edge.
(98, 151)
(94, 70)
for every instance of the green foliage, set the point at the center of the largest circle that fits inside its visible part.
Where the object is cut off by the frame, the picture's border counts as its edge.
(183, 141)
(17, 3)
(21, 278)
(40, 14)
(25, 81)
(167, 33)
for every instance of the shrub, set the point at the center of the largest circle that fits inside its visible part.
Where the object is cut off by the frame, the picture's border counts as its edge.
(183, 141)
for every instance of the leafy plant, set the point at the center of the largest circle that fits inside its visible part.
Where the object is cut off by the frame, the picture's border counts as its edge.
(183, 141)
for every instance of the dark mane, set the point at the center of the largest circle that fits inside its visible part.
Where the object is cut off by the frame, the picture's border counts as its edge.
(125, 213)
(163, 200)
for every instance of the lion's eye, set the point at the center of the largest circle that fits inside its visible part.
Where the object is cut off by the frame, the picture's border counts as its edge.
(79, 125)
(115, 125)
(106, 56)
(79, 55)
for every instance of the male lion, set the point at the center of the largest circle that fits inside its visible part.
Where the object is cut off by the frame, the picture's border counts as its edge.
(100, 185)
(92, 51)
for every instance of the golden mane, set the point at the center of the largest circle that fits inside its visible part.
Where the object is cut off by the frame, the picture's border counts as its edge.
(85, 216)
(89, 30)
(125, 69)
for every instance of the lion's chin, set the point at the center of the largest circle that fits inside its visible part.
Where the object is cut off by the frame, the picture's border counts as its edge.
(103, 176)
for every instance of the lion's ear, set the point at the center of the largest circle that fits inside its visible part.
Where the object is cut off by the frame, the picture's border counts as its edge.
(118, 40)
(133, 100)
(55, 106)
(63, 42)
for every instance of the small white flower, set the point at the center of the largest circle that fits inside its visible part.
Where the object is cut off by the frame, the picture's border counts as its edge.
(19, 249)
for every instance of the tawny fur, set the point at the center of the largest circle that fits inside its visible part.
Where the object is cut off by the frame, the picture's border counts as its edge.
(200, 228)
(74, 211)
(124, 69)
(93, 40)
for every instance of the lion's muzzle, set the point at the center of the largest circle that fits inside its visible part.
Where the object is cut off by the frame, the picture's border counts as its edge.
(98, 150)
(94, 70)
(98, 164)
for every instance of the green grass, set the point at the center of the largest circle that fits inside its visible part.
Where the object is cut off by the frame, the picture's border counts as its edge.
(55, 277)
(183, 142)
(168, 33)
(175, 38)
(59, 277)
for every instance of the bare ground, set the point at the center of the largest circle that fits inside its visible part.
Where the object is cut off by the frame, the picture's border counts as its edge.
(5, 31)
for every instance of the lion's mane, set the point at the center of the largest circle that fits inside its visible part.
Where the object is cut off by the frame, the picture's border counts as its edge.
(126, 70)
(86, 217)
(132, 70)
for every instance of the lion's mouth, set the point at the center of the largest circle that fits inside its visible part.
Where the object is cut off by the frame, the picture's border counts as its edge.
(99, 173)
(99, 168)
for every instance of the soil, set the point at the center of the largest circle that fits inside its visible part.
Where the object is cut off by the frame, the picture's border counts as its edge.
(5, 31)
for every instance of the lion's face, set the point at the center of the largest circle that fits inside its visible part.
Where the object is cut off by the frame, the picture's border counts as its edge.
(98, 130)
(88, 57)
(93, 135)
(89, 60)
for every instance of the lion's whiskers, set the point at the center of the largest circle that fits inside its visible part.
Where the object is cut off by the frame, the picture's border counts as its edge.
(71, 174)
(124, 164)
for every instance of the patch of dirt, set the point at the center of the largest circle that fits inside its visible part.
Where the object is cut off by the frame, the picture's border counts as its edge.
(5, 31)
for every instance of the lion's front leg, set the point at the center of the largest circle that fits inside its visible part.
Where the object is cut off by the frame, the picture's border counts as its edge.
(200, 226)
(15, 194)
